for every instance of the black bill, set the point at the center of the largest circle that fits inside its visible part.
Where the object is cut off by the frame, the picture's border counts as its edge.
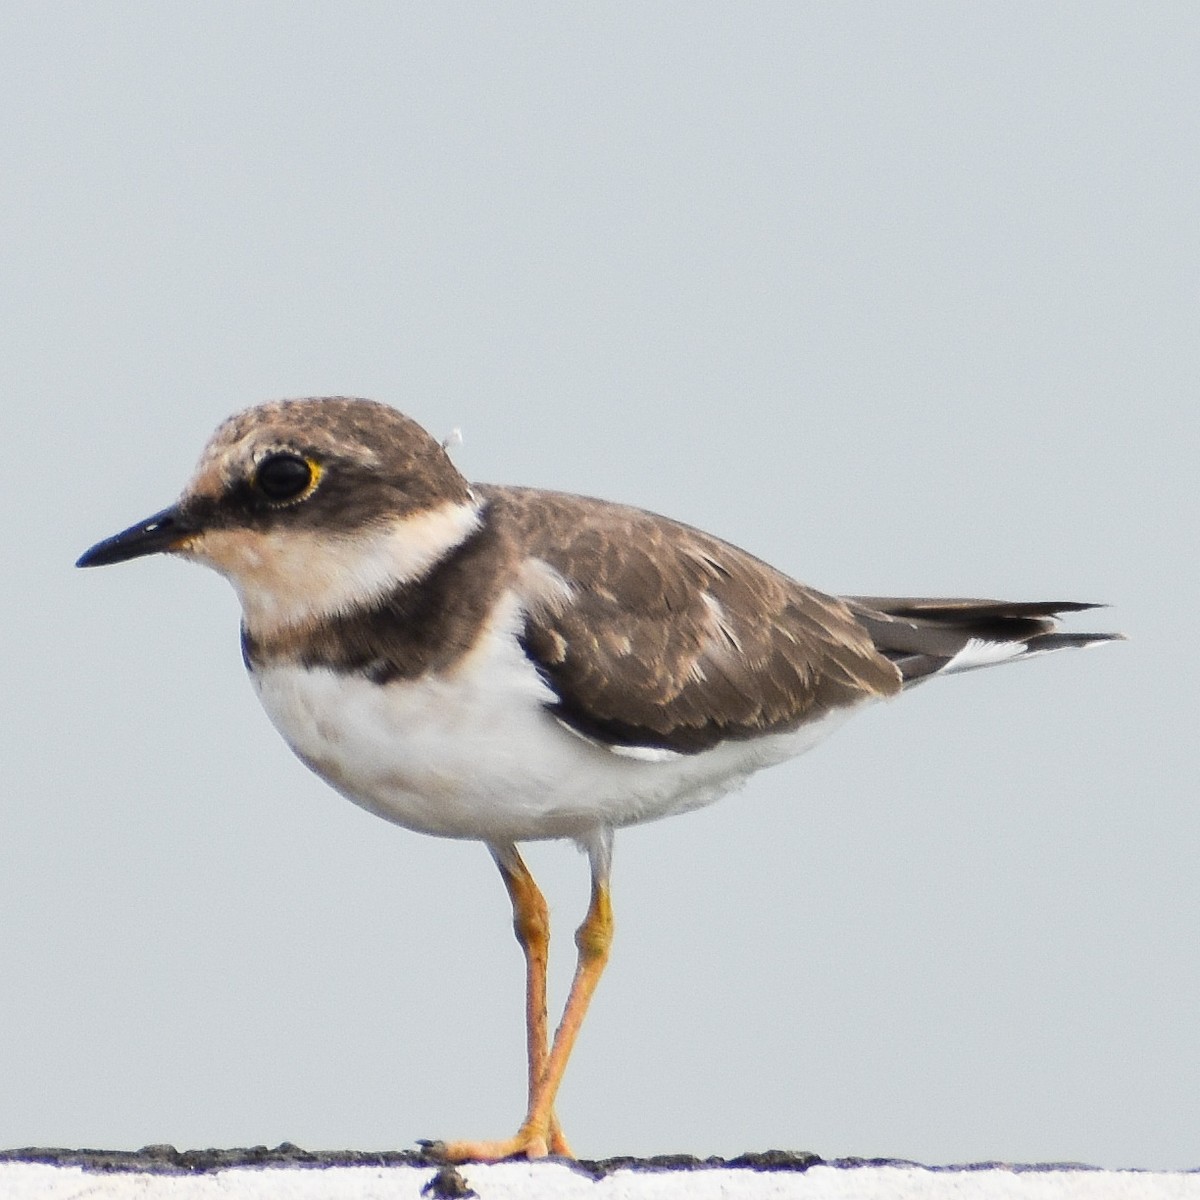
(163, 531)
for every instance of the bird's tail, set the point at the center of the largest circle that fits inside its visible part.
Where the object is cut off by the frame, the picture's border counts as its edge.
(926, 637)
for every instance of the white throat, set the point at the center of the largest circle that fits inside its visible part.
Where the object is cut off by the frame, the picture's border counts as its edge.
(287, 578)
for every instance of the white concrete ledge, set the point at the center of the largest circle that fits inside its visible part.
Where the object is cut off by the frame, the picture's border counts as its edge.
(287, 1173)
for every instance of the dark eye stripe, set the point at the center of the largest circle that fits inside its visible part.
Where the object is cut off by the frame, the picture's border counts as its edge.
(283, 476)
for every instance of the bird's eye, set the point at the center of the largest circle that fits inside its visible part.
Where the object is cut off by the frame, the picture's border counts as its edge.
(283, 476)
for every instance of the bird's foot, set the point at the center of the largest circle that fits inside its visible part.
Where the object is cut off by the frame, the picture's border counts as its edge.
(530, 1141)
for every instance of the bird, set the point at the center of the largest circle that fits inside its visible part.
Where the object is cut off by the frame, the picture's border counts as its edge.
(507, 664)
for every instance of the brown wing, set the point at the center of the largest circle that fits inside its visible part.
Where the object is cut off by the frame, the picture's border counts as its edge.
(655, 634)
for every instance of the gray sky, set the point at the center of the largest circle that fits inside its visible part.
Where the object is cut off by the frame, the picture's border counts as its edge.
(900, 297)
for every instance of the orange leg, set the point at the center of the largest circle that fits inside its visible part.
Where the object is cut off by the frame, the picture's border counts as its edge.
(539, 1133)
(531, 923)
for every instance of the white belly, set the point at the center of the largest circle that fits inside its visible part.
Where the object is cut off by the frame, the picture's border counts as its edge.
(475, 754)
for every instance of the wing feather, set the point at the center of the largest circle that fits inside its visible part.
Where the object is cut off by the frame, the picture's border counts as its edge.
(664, 637)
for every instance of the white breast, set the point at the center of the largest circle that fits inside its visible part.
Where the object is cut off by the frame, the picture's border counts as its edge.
(474, 753)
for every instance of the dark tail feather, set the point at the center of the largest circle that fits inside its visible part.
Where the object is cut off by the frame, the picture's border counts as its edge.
(926, 636)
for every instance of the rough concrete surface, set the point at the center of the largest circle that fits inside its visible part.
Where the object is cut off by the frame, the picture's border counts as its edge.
(287, 1172)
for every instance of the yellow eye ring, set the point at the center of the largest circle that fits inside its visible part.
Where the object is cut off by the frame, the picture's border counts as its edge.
(285, 477)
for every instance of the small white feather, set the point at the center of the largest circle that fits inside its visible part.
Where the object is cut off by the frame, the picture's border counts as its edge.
(656, 754)
(979, 652)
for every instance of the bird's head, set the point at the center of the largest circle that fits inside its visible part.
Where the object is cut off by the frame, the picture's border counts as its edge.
(310, 507)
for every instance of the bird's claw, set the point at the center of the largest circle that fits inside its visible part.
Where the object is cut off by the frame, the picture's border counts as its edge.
(528, 1143)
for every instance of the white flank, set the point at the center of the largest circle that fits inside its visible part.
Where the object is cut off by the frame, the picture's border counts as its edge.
(474, 753)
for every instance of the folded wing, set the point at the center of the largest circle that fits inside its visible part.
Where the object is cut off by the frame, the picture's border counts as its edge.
(659, 636)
